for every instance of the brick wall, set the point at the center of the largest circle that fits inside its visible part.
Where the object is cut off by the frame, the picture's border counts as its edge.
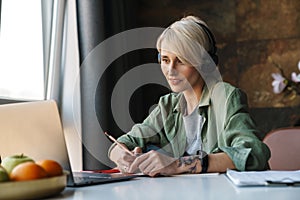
(247, 33)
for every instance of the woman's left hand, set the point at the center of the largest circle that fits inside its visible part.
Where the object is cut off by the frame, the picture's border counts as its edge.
(154, 163)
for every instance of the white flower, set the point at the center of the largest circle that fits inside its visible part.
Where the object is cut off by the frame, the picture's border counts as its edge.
(296, 77)
(279, 83)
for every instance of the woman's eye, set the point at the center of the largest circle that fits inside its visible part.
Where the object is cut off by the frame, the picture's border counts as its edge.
(164, 60)
(179, 62)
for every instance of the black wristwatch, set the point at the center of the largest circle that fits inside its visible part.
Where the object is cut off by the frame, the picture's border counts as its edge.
(204, 164)
(204, 161)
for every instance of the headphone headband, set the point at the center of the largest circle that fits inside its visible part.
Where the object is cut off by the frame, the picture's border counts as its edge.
(213, 48)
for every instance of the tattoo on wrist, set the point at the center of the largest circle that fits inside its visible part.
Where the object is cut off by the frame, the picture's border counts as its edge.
(192, 162)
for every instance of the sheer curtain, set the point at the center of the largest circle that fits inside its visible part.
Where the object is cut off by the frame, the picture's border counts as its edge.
(61, 62)
(77, 30)
(0, 13)
(53, 41)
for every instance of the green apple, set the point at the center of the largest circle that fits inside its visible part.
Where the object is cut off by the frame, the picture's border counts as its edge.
(10, 162)
(3, 174)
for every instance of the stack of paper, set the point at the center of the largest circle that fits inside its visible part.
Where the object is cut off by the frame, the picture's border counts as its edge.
(255, 178)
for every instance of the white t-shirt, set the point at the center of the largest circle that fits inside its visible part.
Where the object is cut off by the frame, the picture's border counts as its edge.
(193, 127)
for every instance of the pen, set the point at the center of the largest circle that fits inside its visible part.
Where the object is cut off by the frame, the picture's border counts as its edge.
(118, 143)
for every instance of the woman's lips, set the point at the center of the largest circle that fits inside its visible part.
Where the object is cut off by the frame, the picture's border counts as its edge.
(174, 81)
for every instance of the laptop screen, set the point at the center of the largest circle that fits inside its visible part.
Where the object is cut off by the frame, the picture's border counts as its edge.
(33, 129)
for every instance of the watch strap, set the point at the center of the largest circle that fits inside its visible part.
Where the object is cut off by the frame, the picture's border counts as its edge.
(204, 164)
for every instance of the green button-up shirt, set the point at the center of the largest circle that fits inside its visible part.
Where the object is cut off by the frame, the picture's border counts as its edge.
(227, 127)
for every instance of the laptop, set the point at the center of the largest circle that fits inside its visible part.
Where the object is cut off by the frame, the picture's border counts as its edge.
(34, 129)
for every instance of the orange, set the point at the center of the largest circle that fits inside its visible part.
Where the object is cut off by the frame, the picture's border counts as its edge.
(27, 171)
(52, 167)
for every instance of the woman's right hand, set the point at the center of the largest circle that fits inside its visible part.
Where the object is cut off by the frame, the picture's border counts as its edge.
(122, 158)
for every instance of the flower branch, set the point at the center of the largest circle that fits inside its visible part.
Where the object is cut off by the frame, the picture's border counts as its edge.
(282, 84)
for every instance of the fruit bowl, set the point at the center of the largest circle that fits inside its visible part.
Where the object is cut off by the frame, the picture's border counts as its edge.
(33, 189)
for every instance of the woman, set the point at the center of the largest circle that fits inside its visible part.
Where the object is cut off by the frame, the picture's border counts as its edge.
(204, 125)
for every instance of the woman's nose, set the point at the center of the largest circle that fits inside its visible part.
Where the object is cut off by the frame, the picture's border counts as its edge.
(172, 68)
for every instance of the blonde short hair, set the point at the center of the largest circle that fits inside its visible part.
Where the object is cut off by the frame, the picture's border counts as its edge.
(187, 40)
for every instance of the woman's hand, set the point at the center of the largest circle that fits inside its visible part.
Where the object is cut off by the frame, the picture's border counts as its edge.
(154, 163)
(122, 158)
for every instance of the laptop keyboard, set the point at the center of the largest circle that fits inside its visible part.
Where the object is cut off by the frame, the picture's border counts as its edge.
(85, 178)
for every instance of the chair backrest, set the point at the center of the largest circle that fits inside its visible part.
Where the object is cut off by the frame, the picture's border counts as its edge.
(284, 144)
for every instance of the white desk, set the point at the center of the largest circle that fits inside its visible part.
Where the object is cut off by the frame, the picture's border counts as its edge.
(205, 187)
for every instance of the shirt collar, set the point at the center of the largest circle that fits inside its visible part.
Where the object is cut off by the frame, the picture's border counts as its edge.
(204, 100)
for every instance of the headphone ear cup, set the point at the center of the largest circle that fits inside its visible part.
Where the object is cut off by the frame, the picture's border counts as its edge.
(213, 48)
(215, 58)
(159, 58)
(208, 66)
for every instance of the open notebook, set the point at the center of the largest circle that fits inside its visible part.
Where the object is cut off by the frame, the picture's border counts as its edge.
(34, 129)
(262, 178)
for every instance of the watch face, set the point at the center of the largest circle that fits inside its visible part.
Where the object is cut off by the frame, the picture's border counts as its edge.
(201, 154)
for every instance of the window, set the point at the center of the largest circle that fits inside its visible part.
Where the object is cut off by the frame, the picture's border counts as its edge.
(21, 50)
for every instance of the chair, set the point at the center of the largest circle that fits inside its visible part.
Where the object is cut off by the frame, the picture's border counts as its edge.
(284, 144)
